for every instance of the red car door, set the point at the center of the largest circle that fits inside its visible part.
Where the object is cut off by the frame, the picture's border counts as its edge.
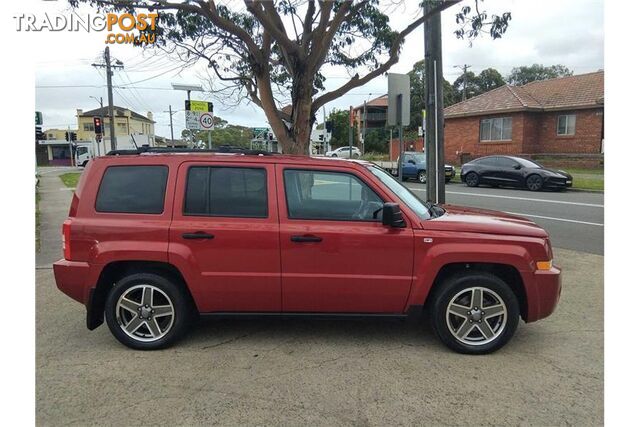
(336, 257)
(224, 236)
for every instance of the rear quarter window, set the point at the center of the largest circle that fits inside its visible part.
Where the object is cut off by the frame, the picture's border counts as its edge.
(133, 189)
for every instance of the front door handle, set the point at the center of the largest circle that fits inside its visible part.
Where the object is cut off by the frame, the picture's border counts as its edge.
(306, 238)
(197, 235)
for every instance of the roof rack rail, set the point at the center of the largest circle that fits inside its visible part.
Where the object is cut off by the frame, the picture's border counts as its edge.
(220, 149)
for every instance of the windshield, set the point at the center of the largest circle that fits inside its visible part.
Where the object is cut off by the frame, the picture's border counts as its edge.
(409, 199)
(529, 163)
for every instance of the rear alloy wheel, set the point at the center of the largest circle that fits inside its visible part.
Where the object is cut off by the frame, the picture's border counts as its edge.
(422, 177)
(472, 179)
(534, 182)
(475, 313)
(146, 311)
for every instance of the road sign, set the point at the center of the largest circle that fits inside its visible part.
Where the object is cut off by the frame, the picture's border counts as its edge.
(202, 106)
(192, 120)
(260, 133)
(206, 121)
(398, 85)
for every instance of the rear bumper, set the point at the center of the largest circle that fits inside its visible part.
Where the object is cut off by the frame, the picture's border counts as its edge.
(548, 287)
(75, 278)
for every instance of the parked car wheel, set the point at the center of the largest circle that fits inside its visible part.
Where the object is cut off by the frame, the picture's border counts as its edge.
(475, 313)
(534, 182)
(472, 179)
(334, 155)
(422, 177)
(84, 164)
(147, 311)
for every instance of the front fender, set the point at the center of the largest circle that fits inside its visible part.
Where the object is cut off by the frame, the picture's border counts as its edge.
(432, 256)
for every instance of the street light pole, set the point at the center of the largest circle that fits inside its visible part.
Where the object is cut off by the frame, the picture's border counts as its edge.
(101, 121)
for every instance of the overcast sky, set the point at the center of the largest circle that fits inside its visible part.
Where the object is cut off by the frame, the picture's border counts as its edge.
(568, 32)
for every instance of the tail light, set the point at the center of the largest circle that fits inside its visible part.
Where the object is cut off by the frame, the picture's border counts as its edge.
(66, 239)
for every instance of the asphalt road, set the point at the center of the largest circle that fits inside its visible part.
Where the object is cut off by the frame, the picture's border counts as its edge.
(298, 372)
(573, 219)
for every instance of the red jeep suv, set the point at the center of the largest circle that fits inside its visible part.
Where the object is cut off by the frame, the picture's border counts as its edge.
(155, 239)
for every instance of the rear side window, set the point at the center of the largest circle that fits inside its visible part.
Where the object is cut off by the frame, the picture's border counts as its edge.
(226, 192)
(133, 189)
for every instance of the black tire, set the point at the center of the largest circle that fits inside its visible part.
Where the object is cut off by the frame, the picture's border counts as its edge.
(472, 179)
(334, 155)
(422, 177)
(534, 182)
(447, 180)
(182, 310)
(355, 155)
(442, 322)
(84, 164)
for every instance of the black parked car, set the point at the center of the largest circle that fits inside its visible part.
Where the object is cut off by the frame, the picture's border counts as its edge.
(511, 171)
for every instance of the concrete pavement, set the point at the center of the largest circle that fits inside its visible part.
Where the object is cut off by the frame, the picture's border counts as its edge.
(296, 372)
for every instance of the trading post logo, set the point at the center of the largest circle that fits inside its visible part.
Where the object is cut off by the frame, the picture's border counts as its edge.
(120, 27)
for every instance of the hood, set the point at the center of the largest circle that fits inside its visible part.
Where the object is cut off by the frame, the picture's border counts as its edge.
(472, 220)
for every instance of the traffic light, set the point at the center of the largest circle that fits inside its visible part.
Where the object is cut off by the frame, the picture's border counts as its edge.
(97, 125)
(74, 136)
(329, 126)
(67, 135)
(39, 134)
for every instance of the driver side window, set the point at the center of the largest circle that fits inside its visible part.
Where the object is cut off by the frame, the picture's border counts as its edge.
(336, 196)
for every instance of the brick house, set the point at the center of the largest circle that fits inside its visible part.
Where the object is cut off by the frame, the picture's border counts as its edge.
(557, 118)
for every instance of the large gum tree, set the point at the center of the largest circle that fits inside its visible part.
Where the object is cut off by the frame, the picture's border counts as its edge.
(273, 53)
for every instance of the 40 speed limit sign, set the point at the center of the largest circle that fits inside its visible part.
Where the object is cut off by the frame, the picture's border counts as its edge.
(206, 121)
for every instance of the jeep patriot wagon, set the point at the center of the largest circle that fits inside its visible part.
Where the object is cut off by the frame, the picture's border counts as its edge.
(155, 239)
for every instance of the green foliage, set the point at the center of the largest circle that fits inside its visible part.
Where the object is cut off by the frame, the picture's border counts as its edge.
(225, 134)
(416, 82)
(70, 179)
(340, 134)
(526, 74)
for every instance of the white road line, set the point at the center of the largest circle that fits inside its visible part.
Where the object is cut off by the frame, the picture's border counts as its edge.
(561, 202)
(556, 219)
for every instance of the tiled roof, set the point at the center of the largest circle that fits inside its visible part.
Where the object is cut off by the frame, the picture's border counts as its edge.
(580, 91)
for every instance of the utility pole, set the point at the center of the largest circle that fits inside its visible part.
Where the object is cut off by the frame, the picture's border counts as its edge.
(108, 66)
(434, 105)
(324, 131)
(171, 123)
(464, 68)
(364, 126)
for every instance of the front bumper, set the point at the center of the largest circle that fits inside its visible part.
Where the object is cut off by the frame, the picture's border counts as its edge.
(544, 300)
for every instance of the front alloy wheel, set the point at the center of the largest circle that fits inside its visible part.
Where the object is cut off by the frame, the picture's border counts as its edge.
(474, 312)
(476, 316)
(422, 177)
(534, 182)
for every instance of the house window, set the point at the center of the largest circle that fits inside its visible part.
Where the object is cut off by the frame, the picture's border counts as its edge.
(88, 127)
(122, 128)
(496, 129)
(567, 124)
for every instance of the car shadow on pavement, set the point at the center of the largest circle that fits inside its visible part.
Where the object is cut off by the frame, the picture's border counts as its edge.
(211, 333)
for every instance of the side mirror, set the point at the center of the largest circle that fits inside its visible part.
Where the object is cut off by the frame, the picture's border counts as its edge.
(392, 216)
(413, 162)
(517, 167)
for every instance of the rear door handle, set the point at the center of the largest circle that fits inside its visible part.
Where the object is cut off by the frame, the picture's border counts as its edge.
(302, 239)
(197, 235)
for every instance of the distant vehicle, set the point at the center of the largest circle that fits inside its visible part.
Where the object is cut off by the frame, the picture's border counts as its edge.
(509, 171)
(414, 166)
(87, 150)
(156, 238)
(343, 152)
